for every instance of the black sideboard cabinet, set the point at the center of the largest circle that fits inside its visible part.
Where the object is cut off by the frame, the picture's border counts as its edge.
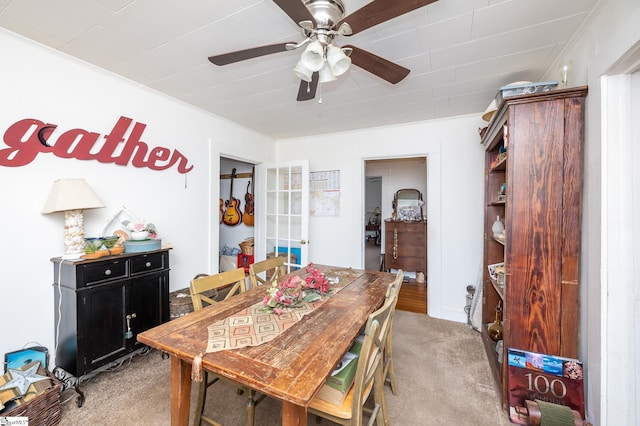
(101, 305)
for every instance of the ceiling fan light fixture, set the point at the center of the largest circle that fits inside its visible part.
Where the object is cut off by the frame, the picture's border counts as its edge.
(302, 72)
(326, 75)
(337, 60)
(313, 56)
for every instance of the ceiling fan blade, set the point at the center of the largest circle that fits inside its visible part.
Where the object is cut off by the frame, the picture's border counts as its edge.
(376, 65)
(379, 11)
(307, 89)
(296, 10)
(241, 55)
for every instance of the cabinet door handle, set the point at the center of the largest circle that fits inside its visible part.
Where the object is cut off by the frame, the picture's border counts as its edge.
(107, 272)
(148, 264)
(129, 334)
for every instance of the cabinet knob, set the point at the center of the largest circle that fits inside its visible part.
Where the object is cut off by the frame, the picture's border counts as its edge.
(148, 264)
(107, 272)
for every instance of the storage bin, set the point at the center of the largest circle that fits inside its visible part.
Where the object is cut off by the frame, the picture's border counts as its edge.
(43, 408)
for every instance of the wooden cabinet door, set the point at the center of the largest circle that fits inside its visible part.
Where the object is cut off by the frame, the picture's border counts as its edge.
(104, 326)
(147, 299)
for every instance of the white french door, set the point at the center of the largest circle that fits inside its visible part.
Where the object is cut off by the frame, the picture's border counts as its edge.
(282, 221)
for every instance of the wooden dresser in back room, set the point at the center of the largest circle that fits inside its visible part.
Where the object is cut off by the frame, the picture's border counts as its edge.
(406, 245)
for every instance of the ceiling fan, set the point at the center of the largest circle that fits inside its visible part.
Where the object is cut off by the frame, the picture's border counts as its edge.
(321, 22)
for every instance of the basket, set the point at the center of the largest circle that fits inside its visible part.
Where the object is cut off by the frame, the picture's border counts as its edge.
(247, 246)
(43, 407)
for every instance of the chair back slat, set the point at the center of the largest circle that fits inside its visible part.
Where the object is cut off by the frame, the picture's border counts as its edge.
(371, 354)
(273, 270)
(234, 280)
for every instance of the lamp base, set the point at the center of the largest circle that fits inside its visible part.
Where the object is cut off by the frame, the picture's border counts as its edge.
(73, 234)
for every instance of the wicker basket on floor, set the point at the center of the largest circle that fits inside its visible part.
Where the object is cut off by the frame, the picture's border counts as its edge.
(180, 303)
(42, 407)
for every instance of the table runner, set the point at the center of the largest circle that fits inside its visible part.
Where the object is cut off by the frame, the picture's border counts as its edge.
(253, 326)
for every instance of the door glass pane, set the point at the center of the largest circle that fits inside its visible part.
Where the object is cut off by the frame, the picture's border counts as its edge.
(296, 202)
(296, 227)
(272, 202)
(284, 206)
(283, 227)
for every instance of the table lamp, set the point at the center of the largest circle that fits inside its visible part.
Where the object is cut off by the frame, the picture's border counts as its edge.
(71, 196)
(377, 212)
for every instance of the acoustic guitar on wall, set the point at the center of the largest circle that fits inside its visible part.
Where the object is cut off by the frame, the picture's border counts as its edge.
(247, 215)
(232, 215)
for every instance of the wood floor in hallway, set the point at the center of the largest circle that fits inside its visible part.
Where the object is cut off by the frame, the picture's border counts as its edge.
(413, 297)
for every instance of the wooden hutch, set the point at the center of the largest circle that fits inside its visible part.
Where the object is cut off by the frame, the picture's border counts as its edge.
(533, 182)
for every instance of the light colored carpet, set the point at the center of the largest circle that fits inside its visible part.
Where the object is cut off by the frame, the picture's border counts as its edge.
(441, 368)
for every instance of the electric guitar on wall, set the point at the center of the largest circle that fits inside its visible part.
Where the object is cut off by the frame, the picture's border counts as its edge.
(232, 215)
(247, 216)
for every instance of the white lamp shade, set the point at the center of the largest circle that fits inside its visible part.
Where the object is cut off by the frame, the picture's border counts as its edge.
(302, 72)
(325, 75)
(313, 56)
(71, 194)
(337, 60)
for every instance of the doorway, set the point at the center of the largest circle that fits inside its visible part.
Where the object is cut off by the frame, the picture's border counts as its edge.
(237, 185)
(372, 219)
(383, 177)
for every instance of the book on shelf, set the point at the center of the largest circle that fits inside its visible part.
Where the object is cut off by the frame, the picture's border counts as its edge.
(337, 387)
(535, 376)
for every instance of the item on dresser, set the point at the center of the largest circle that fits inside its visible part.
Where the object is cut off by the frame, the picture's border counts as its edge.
(498, 227)
(134, 246)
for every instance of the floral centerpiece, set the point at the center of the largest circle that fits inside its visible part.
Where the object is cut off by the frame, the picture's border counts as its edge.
(140, 230)
(294, 290)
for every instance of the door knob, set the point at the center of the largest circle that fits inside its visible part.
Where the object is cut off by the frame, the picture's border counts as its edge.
(303, 241)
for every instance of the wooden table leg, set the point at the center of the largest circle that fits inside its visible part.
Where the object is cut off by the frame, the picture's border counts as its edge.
(293, 415)
(180, 391)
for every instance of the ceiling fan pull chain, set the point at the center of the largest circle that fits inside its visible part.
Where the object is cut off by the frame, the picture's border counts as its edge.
(308, 87)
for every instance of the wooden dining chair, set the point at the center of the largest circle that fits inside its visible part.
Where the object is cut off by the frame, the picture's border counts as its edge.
(273, 270)
(233, 282)
(388, 372)
(368, 376)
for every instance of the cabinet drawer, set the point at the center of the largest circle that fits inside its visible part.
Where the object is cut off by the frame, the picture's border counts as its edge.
(101, 271)
(148, 262)
(405, 263)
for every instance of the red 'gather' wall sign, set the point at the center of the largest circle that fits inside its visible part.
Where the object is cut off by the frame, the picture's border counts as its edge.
(29, 137)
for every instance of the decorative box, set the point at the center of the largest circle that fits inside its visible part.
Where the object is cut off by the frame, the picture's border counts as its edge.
(133, 246)
(524, 89)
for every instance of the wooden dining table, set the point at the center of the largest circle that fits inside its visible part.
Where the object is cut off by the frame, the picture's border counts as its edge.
(290, 368)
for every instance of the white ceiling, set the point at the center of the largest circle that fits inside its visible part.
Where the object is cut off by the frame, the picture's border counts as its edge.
(459, 53)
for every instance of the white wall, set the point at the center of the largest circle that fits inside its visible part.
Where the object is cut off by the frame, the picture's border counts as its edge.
(455, 182)
(38, 83)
